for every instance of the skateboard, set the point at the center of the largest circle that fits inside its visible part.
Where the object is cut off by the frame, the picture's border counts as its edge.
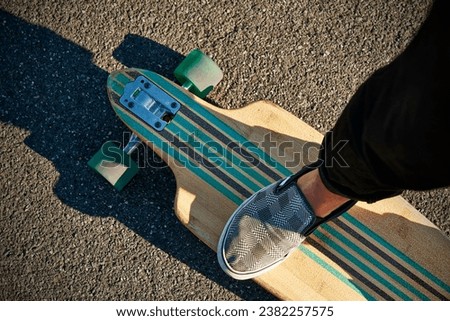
(381, 251)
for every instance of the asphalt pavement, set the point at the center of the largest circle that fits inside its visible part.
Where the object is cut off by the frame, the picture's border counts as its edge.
(65, 234)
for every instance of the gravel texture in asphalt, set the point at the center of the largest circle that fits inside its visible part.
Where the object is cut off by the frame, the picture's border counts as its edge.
(65, 234)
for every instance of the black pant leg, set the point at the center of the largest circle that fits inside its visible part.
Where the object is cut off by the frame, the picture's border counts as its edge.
(396, 126)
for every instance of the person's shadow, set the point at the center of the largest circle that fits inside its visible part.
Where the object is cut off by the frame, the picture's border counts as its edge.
(50, 87)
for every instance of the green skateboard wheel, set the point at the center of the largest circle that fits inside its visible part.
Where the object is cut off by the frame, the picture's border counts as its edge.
(114, 165)
(198, 73)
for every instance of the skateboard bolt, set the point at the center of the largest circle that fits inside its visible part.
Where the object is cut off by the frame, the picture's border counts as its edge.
(147, 85)
(131, 104)
(174, 105)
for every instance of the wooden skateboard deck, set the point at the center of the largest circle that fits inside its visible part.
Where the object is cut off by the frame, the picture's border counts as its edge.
(381, 251)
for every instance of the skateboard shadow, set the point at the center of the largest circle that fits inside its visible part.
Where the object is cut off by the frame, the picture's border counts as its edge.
(136, 51)
(51, 88)
(139, 52)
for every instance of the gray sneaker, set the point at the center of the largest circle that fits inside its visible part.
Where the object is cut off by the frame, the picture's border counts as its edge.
(267, 227)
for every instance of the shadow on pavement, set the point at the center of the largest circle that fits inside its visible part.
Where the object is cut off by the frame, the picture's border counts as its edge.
(51, 88)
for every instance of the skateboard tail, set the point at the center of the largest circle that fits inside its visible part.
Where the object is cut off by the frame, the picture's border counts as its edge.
(350, 254)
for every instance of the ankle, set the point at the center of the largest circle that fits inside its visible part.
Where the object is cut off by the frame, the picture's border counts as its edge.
(319, 197)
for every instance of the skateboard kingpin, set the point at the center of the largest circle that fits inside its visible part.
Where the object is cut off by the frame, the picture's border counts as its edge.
(381, 251)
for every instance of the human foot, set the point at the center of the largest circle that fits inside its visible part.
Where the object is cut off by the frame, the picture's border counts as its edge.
(322, 201)
(270, 224)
